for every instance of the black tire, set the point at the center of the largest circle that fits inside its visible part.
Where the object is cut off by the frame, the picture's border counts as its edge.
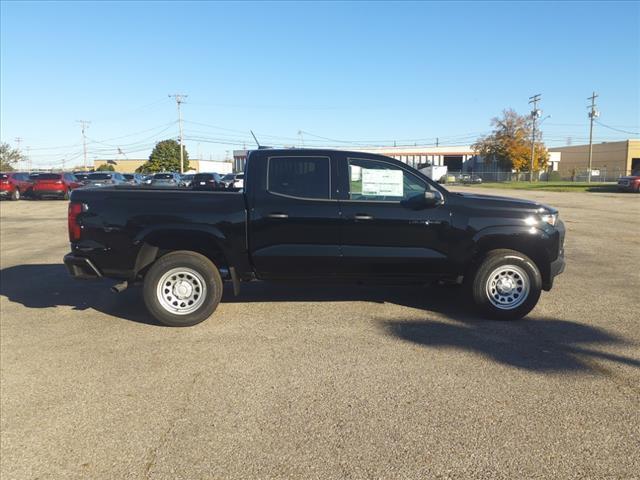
(190, 261)
(15, 196)
(516, 265)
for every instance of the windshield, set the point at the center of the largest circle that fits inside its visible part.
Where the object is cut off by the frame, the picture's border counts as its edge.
(228, 176)
(163, 176)
(128, 176)
(99, 176)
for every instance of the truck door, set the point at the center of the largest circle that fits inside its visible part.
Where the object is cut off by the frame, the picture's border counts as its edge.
(294, 221)
(387, 232)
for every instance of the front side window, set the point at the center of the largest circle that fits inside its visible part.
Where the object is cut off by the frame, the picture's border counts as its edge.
(305, 177)
(373, 180)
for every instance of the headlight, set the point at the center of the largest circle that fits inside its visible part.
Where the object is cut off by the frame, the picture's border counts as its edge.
(550, 218)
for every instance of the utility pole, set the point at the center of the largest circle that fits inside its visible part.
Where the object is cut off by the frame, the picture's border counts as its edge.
(179, 100)
(535, 114)
(85, 125)
(29, 158)
(19, 141)
(593, 114)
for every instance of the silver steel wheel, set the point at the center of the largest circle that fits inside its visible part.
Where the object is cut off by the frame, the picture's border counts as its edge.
(181, 291)
(507, 287)
(17, 194)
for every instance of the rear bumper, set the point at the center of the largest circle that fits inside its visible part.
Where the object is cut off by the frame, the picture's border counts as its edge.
(81, 267)
(41, 192)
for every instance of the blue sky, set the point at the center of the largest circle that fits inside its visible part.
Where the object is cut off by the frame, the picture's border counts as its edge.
(359, 72)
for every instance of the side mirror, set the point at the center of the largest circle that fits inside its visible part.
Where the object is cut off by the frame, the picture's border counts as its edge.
(433, 198)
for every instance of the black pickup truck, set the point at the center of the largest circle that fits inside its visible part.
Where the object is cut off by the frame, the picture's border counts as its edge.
(314, 215)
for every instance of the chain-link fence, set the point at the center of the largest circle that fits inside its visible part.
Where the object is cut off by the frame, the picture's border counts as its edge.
(597, 175)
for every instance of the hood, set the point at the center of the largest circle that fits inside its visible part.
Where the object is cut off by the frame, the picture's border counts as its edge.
(503, 203)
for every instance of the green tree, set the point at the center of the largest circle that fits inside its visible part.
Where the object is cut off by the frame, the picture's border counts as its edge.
(165, 157)
(9, 157)
(510, 143)
(106, 167)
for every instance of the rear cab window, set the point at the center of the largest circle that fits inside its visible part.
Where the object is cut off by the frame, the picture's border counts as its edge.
(301, 177)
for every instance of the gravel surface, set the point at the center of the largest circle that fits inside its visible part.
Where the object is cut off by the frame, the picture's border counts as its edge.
(319, 381)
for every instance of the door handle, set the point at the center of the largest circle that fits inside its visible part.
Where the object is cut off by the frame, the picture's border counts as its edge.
(278, 215)
(361, 216)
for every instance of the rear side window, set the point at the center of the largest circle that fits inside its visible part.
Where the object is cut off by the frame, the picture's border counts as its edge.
(305, 177)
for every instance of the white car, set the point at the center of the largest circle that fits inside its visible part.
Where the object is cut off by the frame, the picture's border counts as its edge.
(234, 180)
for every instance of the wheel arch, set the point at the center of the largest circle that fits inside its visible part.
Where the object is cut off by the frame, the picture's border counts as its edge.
(531, 242)
(157, 242)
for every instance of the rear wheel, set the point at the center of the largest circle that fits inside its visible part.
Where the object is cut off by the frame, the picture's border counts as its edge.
(15, 195)
(182, 288)
(506, 285)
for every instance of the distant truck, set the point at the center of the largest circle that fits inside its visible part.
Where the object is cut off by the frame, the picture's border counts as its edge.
(437, 173)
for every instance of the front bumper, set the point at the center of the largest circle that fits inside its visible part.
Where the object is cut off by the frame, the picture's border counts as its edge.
(81, 267)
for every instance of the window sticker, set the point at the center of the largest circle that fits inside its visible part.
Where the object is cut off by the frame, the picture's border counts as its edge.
(382, 183)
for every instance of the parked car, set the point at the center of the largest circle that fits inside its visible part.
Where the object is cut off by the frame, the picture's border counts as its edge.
(102, 179)
(630, 183)
(467, 178)
(234, 180)
(15, 185)
(207, 181)
(165, 180)
(133, 178)
(81, 176)
(57, 185)
(186, 179)
(315, 215)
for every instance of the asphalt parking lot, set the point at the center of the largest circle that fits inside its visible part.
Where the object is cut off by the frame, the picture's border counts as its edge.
(323, 382)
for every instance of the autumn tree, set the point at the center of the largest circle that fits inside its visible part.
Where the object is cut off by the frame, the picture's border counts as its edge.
(165, 157)
(510, 143)
(9, 157)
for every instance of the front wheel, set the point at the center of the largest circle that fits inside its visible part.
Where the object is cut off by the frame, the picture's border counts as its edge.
(506, 285)
(182, 288)
(15, 195)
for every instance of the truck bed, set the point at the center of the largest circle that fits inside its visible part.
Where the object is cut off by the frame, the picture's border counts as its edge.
(121, 217)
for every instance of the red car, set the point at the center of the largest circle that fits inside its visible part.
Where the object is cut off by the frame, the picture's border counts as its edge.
(630, 183)
(54, 185)
(14, 185)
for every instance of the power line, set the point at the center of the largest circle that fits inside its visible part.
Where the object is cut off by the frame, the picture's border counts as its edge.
(616, 129)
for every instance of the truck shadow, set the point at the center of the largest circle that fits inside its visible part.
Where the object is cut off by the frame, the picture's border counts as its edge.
(49, 285)
(441, 320)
